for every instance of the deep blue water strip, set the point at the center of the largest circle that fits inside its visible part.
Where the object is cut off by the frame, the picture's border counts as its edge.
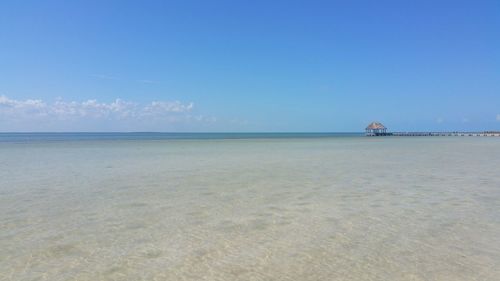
(40, 137)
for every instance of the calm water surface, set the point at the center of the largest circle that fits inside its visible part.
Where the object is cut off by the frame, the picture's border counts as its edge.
(319, 207)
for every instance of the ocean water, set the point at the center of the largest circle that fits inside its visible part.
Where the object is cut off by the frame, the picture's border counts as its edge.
(248, 207)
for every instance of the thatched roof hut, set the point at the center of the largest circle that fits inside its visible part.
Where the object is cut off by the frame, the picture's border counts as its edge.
(375, 128)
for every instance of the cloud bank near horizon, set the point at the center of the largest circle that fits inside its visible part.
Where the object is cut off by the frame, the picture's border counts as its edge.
(36, 114)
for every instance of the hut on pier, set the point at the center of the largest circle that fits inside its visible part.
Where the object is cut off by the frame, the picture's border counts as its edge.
(376, 129)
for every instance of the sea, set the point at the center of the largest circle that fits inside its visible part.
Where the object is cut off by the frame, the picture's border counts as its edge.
(248, 206)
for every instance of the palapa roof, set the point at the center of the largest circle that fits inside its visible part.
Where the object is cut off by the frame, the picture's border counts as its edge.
(375, 126)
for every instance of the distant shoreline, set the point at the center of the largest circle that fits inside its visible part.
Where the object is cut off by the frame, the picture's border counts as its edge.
(83, 136)
(31, 137)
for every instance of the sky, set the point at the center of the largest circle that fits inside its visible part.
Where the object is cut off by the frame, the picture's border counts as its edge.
(249, 66)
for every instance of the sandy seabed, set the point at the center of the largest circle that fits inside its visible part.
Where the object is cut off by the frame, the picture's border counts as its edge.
(350, 208)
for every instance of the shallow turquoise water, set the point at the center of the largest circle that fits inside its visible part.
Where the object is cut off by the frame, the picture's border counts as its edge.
(287, 208)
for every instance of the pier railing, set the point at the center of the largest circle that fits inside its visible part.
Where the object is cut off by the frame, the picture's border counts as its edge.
(437, 134)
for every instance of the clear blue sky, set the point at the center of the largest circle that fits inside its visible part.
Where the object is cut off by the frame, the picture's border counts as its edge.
(249, 65)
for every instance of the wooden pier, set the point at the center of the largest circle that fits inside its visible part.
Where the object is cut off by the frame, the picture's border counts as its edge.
(440, 134)
(376, 129)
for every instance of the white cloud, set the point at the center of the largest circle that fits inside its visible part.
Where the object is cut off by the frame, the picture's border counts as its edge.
(439, 120)
(117, 109)
(27, 107)
(498, 117)
(156, 112)
(162, 107)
